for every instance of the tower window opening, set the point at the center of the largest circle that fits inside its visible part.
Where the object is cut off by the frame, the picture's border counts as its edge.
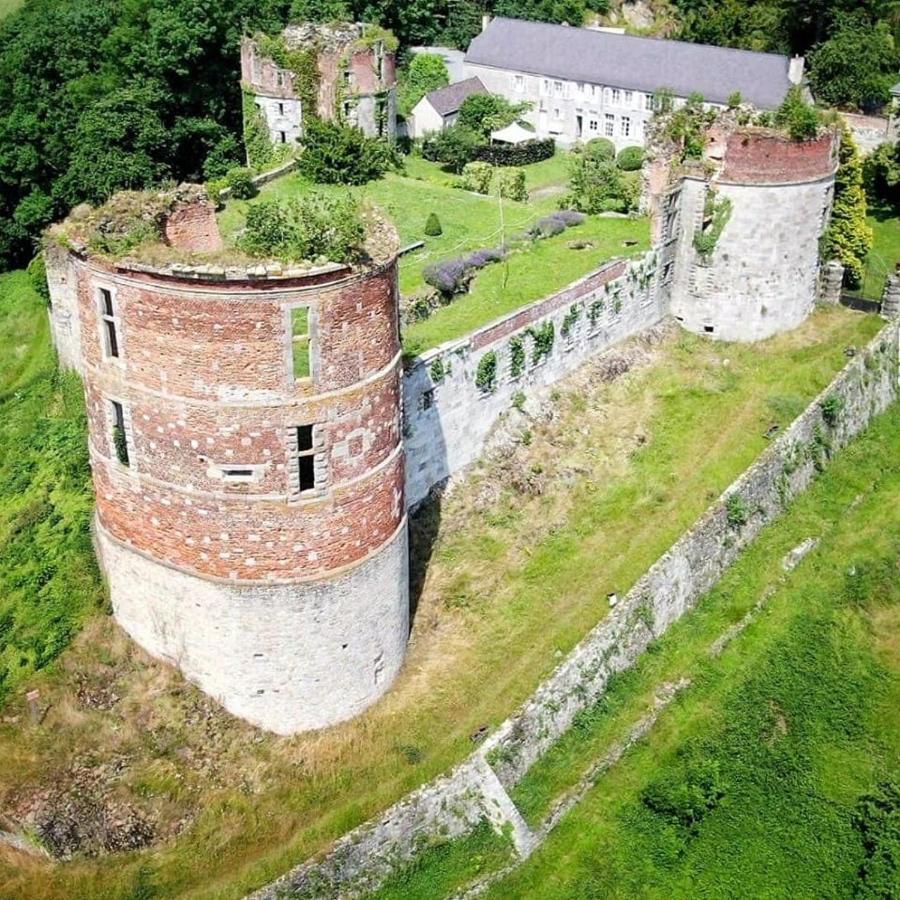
(283, 136)
(119, 434)
(280, 109)
(306, 458)
(110, 324)
(300, 341)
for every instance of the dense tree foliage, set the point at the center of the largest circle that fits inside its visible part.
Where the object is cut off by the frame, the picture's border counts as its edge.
(339, 154)
(426, 72)
(881, 175)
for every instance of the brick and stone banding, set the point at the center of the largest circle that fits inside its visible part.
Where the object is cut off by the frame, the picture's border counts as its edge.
(290, 608)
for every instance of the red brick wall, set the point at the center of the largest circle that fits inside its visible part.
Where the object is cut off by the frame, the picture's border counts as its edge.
(206, 379)
(193, 227)
(764, 158)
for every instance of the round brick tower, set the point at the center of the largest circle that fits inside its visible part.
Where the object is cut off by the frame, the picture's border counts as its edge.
(246, 450)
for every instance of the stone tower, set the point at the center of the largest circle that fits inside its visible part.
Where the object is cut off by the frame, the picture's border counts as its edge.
(739, 232)
(350, 76)
(246, 451)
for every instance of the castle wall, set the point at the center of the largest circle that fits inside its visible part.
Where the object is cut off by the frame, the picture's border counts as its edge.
(287, 658)
(448, 418)
(62, 282)
(761, 277)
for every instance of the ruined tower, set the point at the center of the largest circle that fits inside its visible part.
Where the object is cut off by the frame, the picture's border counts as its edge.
(345, 72)
(246, 451)
(739, 230)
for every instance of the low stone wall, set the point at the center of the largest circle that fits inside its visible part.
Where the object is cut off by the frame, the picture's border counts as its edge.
(451, 805)
(448, 416)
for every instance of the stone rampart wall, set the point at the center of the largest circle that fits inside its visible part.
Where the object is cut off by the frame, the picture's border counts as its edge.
(447, 416)
(450, 805)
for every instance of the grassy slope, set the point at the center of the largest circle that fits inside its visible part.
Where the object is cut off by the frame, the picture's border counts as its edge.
(885, 252)
(469, 222)
(516, 576)
(9, 6)
(777, 739)
(48, 579)
(749, 784)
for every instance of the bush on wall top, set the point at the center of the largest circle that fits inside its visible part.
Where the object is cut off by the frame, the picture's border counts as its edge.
(630, 159)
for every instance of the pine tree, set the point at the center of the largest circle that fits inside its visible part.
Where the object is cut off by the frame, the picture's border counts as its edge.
(849, 237)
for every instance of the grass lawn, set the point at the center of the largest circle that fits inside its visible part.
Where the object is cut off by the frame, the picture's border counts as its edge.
(48, 579)
(469, 222)
(750, 784)
(527, 276)
(512, 571)
(885, 252)
(9, 6)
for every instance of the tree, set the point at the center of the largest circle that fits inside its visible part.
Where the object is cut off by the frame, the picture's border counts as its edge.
(848, 238)
(426, 73)
(799, 118)
(856, 66)
(881, 174)
(569, 11)
(320, 11)
(484, 113)
(598, 185)
(454, 147)
(339, 154)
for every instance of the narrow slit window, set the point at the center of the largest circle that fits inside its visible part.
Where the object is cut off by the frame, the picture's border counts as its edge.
(110, 326)
(306, 458)
(119, 434)
(300, 341)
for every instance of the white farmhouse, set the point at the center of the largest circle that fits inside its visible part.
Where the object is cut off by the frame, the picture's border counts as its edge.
(584, 83)
(440, 108)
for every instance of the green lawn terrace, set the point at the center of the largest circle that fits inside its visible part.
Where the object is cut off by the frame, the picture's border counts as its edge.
(469, 222)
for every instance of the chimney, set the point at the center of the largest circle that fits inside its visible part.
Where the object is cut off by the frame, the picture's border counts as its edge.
(190, 223)
(795, 70)
(485, 21)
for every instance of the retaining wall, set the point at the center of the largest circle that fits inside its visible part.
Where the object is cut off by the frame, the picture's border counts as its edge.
(452, 804)
(447, 416)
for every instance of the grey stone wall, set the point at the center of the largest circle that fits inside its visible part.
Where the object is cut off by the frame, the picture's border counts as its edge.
(299, 656)
(451, 805)
(761, 278)
(65, 330)
(447, 417)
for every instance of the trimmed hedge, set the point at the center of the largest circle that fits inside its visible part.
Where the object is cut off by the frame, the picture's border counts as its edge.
(630, 159)
(516, 154)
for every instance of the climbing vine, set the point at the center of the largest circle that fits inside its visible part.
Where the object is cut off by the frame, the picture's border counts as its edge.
(516, 356)
(594, 311)
(570, 320)
(486, 373)
(302, 63)
(543, 337)
(716, 213)
(261, 152)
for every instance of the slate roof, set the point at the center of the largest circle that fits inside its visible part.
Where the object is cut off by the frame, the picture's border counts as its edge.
(627, 61)
(447, 100)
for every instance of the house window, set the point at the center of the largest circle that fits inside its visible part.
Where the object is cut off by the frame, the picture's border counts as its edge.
(558, 88)
(648, 101)
(609, 125)
(616, 96)
(300, 342)
(629, 98)
(625, 125)
(557, 113)
(280, 79)
(305, 458)
(546, 86)
(110, 323)
(593, 126)
(119, 434)
(519, 82)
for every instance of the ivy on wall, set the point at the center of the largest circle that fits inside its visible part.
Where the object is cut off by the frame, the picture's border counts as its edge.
(543, 337)
(516, 356)
(716, 213)
(486, 373)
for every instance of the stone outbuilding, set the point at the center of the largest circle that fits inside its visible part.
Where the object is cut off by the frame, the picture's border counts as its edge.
(439, 109)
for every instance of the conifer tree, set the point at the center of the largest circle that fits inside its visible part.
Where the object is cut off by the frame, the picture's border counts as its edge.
(849, 237)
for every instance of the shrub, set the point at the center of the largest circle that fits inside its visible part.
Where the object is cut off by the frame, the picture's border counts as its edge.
(486, 373)
(516, 356)
(477, 176)
(305, 228)
(796, 116)
(686, 127)
(600, 149)
(240, 180)
(630, 159)
(433, 225)
(454, 147)
(512, 184)
(881, 174)
(451, 276)
(735, 99)
(849, 237)
(555, 223)
(600, 186)
(543, 337)
(716, 213)
(516, 154)
(832, 406)
(736, 511)
(338, 154)
(37, 275)
(686, 798)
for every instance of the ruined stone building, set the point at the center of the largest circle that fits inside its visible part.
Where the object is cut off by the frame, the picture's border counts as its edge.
(585, 83)
(255, 443)
(337, 72)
